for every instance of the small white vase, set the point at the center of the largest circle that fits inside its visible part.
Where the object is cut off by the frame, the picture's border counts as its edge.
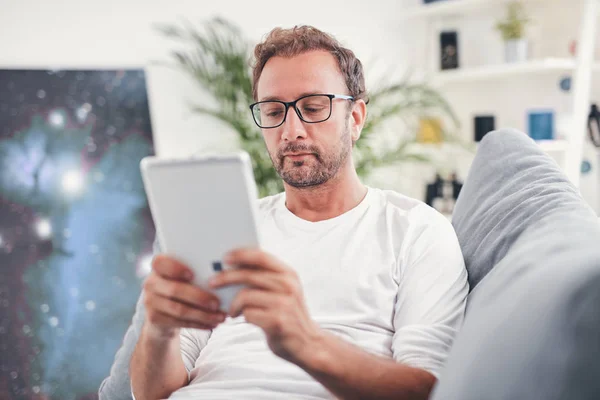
(516, 50)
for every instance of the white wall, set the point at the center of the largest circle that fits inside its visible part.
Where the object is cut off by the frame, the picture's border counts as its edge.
(109, 34)
(120, 33)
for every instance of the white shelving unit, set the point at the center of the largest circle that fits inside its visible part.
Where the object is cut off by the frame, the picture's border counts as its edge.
(582, 67)
(549, 146)
(452, 7)
(506, 71)
(553, 146)
(582, 89)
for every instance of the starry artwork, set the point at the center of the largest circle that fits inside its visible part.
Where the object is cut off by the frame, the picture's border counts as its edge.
(76, 232)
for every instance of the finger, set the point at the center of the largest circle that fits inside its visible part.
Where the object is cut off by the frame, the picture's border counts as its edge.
(165, 320)
(258, 279)
(253, 257)
(257, 316)
(183, 311)
(252, 298)
(184, 292)
(169, 267)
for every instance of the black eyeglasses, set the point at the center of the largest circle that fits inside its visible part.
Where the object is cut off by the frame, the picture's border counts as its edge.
(312, 109)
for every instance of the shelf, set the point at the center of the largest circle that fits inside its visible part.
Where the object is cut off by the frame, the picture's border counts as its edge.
(548, 146)
(501, 71)
(552, 146)
(451, 7)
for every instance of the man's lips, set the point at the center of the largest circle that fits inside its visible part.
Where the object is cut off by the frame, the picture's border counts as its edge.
(295, 156)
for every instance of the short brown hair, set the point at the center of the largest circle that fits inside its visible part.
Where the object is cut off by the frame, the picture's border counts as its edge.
(301, 39)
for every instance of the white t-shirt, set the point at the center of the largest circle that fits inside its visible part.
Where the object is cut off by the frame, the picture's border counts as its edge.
(387, 276)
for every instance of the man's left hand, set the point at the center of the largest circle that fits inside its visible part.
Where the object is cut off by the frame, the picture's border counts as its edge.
(273, 301)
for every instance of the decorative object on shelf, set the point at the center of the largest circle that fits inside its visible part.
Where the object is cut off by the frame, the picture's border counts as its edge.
(449, 50)
(573, 48)
(594, 125)
(541, 124)
(215, 55)
(565, 83)
(443, 193)
(512, 29)
(483, 125)
(430, 131)
(586, 167)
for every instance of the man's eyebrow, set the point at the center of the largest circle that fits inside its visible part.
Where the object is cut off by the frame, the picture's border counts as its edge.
(269, 98)
(277, 98)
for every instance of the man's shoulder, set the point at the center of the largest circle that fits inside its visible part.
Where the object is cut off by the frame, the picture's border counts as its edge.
(398, 201)
(268, 203)
(417, 211)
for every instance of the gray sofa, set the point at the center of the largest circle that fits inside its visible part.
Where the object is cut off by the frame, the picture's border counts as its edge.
(532, 250)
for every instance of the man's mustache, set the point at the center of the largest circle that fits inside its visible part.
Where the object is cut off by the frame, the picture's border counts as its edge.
(297, 148)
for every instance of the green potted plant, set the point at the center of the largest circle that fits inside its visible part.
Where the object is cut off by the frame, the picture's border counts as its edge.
(217, 58)
(512, 29)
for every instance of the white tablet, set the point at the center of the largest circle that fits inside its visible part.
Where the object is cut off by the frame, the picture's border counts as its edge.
(203, 207)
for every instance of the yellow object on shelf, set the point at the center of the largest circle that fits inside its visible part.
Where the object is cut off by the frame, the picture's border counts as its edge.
(430, 131)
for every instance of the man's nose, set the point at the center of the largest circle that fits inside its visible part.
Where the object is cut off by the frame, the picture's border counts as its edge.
(293, 128)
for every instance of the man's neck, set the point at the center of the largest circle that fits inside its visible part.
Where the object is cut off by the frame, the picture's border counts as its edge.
(328, 200)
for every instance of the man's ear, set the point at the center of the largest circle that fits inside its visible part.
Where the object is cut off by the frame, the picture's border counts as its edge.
(358, 116)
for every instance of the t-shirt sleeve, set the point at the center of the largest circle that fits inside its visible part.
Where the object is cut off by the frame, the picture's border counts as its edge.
(192, 341)
(432, 292)
(117, 386)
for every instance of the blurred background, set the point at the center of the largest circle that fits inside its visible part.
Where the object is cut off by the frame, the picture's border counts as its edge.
(87, 89)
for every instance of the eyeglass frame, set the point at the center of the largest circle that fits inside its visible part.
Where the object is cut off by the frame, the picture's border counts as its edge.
(289, 104)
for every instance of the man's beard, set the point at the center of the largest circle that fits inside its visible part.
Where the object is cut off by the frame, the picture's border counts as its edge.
(315, 169)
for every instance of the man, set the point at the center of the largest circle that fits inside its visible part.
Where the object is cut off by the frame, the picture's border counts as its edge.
(356, 292)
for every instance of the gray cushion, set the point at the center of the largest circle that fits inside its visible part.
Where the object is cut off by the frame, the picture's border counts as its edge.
(511, 184)
(117, 385)
(532, 329)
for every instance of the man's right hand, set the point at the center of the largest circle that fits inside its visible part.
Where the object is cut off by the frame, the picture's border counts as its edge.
(172, 301)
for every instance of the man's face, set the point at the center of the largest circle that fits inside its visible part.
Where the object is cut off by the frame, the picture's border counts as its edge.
(308, 154)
